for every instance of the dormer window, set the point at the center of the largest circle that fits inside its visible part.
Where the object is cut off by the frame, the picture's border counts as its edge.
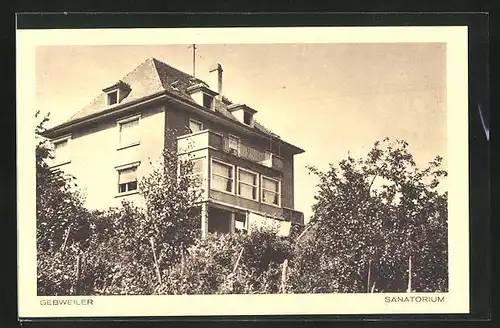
(243, 113)
(202, 95)
(247, 118)
(116, 93)
(112, 97)
(207, 100)
(175, 85)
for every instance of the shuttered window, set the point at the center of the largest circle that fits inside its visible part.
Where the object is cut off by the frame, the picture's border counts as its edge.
(61, 151)
(129, 132)
(127, 179)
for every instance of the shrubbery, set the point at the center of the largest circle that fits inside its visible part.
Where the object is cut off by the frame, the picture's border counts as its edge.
(230, 264)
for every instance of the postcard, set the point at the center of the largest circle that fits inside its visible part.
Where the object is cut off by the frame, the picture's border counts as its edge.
(242, 171)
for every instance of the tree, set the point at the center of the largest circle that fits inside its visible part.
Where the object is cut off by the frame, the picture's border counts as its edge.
(172, 220)
(63, 223)
(371, 216)
(61, 216)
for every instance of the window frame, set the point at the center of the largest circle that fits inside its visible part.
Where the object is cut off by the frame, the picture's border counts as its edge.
(192, 120)
(207, 96)
(262, 190)
(117, 97)
(249, 115)
(67, 139)
(126, 167)
(233, 188)
(238, 140)
(125, 120)
(256, 186)
(245, 224)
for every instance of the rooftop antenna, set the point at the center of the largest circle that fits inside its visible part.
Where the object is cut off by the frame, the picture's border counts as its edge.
(194, 58)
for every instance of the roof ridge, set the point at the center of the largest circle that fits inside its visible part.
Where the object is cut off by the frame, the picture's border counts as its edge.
(157, 61)
(134, 70)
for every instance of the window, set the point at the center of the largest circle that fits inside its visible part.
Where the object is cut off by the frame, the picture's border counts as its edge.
(61, 150)
(247, 184)
(207, 100)
(222, 176)
(247, 118)
(233, 145)
(240, 223)
(195, 126)
(112, 98)
(270, 191)
(127, 179)
(129, 132)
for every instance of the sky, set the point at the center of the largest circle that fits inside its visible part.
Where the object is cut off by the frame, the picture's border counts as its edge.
(328, 99)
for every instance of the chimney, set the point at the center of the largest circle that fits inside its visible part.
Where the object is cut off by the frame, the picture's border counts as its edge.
(216, 79)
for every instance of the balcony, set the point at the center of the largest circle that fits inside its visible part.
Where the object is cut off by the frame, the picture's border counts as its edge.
(207, 138)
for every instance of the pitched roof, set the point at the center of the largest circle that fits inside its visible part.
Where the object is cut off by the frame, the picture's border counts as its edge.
(146, 79)
(151, 77)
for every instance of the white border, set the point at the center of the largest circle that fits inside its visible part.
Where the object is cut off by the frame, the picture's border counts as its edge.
(455, 301)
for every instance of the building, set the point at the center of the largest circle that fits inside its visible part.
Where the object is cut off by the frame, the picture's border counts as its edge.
(247, 172)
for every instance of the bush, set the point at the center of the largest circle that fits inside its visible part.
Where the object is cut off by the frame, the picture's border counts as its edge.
(230, 264)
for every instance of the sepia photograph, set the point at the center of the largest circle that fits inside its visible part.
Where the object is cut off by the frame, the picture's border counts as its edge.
(243, 168)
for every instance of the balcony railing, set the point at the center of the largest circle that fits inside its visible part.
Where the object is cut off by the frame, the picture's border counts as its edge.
(207, 138)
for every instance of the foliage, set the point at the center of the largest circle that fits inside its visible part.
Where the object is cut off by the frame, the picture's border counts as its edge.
(360, 230)
(172, 219)
(63, 224)
(61, 216)
(230, 264)
(56, 274)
